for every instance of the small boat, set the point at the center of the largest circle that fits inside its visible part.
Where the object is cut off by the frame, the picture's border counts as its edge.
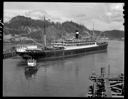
(31, 62)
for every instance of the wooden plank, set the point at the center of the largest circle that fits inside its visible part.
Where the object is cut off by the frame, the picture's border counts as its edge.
(107, 88)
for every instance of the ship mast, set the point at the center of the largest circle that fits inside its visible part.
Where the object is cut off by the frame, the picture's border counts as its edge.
(44, 34)
(93, 31)
(104, 35)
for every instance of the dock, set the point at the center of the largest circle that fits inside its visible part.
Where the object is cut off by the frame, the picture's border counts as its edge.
(106, 86)
(9, 53)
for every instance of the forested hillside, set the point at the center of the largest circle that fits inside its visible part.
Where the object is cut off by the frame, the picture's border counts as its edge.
(27, 27)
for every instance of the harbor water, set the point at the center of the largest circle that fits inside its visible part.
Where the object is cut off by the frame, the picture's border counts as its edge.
(66, 77)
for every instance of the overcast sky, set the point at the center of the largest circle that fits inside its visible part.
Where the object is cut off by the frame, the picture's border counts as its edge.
(105, 16)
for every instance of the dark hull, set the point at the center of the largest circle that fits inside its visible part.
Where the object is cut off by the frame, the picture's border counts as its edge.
(54, 54)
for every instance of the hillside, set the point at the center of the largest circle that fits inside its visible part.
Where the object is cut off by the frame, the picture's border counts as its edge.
(26, 27)
(111, 34)
(114, 34)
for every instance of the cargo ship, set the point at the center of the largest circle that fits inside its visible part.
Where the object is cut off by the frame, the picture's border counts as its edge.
(61, 48)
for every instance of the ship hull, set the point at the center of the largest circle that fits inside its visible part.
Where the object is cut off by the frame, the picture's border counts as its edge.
(55, 54)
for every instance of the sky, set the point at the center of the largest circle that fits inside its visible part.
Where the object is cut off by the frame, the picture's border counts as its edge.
(104, 16)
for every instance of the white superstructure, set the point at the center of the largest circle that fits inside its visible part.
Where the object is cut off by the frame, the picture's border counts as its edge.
(79, 47)
(31, 62)
(76, 44)
(27, 47)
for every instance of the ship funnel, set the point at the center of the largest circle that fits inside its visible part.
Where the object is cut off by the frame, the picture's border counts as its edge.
(77, 35)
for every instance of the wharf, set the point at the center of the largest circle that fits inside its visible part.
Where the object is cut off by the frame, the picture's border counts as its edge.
(104, 86)
(9, 53)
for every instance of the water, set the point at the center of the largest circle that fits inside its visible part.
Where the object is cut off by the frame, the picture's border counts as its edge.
(67, 77)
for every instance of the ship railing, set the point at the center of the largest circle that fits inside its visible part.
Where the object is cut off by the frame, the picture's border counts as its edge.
(73, 41)
(73, 44)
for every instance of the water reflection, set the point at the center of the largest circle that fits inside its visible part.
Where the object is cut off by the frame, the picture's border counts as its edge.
(30, 72)
(77, 71)
(65, 77)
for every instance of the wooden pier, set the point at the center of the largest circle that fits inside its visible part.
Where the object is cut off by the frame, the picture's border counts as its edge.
(9, 53)
(106, 86)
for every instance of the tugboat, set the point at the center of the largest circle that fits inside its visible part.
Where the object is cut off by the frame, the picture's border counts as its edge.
(61, 48)
(31, 62)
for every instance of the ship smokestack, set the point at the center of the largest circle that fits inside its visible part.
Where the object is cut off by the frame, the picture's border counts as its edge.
(77, 34)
